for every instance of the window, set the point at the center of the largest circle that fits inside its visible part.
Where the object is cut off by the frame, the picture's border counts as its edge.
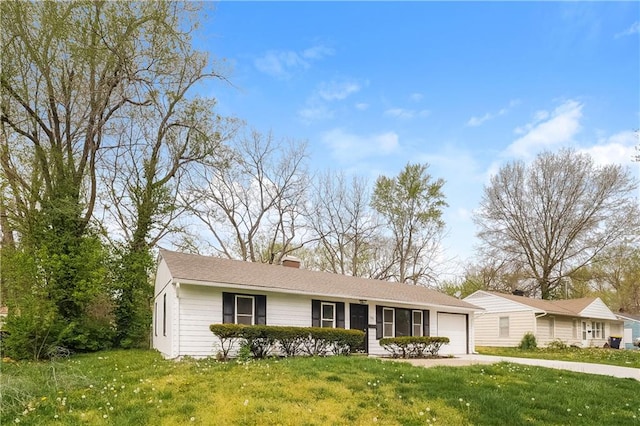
(552, 327)
(416, 323)
(398, 322)
(575, 328)
(584, 330)
(244, 309)
(598, 330)
(328, 319)
(504, 326)
(164, 315)
(387, 320)
(327, 314)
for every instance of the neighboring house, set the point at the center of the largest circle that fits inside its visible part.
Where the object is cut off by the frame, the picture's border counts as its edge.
(507, 318)
(192, 292)
(631, 329)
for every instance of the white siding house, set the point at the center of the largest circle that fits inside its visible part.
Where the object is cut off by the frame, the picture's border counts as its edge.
(192, 292)
(507, 318)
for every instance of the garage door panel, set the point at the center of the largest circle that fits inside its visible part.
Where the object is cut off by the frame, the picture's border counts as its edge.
(453, 326)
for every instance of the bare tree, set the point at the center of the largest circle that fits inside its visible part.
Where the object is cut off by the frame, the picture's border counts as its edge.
(251, 199)
(344, 224)
(552, 217)
(411, 207)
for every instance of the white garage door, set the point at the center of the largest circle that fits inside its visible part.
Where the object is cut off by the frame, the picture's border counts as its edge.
(453, 326)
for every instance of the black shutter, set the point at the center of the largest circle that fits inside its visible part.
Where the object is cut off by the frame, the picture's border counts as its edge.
(339, 315)
(228, 308)
(425, 323)
(261, 310)
(315, 313)
(378, 322)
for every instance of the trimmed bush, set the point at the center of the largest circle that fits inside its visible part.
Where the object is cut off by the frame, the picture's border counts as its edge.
(292, 341)
(228, 335)
(413, 347)
(528, 342)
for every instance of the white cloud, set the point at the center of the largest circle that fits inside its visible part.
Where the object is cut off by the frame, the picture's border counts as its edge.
(475, 121)
(319, 112)
(348, 146)
(616, 149)
(633, 29)
(406, 114)
(547, 130)
(317, 52)
(318, 105)
(416, 97)
(283, 64)
(362, 106)
(337, 90)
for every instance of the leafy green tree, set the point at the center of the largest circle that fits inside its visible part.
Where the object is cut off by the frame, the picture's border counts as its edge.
(92, 93)
(410, 205)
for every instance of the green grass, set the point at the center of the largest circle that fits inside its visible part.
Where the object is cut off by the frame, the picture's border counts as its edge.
(620, 357)
(140, 388)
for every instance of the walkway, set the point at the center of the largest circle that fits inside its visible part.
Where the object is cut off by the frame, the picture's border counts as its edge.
(580, 367)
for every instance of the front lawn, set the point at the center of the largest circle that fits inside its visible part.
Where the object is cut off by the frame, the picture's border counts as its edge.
(620, 357)
(139, 387)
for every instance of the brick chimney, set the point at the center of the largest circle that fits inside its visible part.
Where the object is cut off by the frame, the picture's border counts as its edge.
(291, 262)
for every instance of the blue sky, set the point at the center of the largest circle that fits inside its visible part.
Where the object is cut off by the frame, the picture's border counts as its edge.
(465, 87)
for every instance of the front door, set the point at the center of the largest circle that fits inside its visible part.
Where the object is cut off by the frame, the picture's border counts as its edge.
(586, 333)
(359, 320)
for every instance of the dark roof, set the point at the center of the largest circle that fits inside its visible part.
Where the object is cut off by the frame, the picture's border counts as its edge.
(206, 269)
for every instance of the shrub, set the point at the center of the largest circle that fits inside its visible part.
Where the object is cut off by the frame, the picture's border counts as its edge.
(413, 346)
(557, 344)
(528, 342)
(228, 335)
(261, 339)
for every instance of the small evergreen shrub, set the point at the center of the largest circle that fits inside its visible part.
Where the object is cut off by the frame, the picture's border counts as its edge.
(261, 340)
(413, 346)
(528, 342)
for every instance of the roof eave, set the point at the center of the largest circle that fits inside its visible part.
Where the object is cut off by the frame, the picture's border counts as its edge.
(320, 294)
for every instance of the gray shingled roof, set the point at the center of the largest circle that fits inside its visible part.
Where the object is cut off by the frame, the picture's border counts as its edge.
(195, 268)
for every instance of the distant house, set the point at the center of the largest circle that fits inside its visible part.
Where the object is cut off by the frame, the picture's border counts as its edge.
(507, 318)
(631, 329)
(192, 292)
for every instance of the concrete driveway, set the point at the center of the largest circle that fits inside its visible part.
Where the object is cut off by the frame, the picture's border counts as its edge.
(580, 367)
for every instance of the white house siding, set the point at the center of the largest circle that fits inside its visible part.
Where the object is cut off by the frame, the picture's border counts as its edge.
(492, 303)
(201, 306)
(598, 309)
(487, 328)
(563, 330)
(165, 342)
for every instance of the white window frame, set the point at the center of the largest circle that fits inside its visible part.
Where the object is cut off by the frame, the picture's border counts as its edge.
(155, 318)
(552, 327)
(597, 329)
(253, 308)
(502, 328)
(414, 324)
(323, 319)
(393, 322)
